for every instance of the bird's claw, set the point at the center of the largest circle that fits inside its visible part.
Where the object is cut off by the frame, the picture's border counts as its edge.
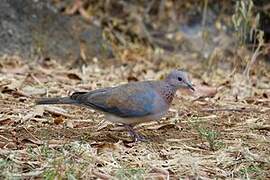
(137, 137)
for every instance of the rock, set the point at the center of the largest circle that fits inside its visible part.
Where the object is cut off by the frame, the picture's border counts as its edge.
(34, 28)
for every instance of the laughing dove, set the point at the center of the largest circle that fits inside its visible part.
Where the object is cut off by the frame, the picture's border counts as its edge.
(131, 103)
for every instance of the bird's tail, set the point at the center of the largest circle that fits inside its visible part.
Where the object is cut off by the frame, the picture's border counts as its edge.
(61, 100)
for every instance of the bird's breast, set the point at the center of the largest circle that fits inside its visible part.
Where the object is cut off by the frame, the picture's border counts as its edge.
(167, 93)
(169, 97)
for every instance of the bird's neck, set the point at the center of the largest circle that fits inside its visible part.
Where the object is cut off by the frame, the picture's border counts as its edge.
(168, 92)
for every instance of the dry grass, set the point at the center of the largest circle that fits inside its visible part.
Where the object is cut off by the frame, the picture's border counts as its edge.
(218, 137)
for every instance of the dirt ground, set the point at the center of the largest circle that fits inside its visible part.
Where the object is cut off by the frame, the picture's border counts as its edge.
(218, 132)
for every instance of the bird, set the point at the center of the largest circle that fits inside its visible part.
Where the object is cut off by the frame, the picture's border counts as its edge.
(131, 103)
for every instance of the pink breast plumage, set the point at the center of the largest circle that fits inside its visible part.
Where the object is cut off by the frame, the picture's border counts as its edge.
(168, 94)
(169, 97)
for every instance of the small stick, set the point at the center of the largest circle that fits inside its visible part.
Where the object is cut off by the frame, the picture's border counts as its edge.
(231, 109)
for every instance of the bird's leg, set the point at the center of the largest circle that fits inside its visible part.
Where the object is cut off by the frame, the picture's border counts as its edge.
(134, 134)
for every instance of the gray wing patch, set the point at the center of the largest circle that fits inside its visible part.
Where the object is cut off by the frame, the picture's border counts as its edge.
(121, 101)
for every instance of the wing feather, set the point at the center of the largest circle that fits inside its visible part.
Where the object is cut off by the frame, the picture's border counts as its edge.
(129, 100)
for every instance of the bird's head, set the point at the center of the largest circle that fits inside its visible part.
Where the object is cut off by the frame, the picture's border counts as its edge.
(179, 79)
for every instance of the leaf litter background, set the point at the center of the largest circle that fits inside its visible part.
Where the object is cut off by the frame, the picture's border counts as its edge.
(222, 130)
(72, 141)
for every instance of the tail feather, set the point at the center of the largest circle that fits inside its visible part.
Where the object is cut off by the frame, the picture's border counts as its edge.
(61, 100)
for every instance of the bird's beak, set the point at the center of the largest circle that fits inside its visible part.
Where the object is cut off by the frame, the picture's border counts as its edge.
(190, 86)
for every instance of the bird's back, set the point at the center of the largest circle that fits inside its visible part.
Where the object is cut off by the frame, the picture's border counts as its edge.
(134, 99)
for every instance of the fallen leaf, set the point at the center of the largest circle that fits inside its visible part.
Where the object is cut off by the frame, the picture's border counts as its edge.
(69, 124)
(74, 76)
(160, 170)
(156, 176)
(57, 111)
(201, 91)
(33, 91)
(6, 122)
(8, 145)
(205, 91)
(37, 111)
(101, 175)
(32, 141)
(58, 120)
(15, 70)
(105, 147)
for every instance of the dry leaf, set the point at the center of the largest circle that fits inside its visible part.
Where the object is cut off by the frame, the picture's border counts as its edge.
(31, 140)
(33, 91)
(160, 170)
(37, 111)
(205, 91)
(57, 111)
(6, 121)
(69, 124)
(155, 176)
(74, 76)
(105, 147)
(101, 175)
(201, 91)
(7, 145)
(58, 120)
(15, 70)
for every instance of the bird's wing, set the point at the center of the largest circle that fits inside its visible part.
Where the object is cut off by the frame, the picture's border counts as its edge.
(129, 100)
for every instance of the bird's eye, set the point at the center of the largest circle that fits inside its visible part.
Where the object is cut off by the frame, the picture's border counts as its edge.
(180, 79)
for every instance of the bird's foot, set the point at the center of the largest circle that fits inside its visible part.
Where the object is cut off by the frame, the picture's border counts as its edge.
(139, 137)
(136, 136)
